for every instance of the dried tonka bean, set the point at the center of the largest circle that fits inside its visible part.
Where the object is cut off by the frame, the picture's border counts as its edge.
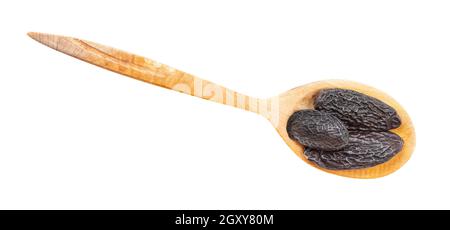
(364, 149)
(317, 130)
(356, 110)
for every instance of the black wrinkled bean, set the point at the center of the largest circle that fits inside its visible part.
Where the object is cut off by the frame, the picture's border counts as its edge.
(364, 149)
(358, 111)
(317, 130)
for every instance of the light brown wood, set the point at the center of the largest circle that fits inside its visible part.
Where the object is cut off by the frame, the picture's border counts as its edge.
(276, 109)
(146, 70)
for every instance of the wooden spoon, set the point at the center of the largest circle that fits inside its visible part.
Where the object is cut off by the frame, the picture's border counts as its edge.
(276, 109)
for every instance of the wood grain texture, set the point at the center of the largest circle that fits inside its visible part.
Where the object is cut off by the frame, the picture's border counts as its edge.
(147, 70)
(276, 109)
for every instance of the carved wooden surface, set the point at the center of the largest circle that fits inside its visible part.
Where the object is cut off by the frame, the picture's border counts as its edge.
(276, 109)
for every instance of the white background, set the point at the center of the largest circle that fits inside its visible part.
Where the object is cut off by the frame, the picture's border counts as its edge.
(74, 136)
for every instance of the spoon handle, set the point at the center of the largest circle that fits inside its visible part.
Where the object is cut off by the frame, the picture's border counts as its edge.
(147, 70)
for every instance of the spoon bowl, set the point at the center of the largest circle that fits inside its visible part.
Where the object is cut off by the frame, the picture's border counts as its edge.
(277, 109)
(302, 97)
